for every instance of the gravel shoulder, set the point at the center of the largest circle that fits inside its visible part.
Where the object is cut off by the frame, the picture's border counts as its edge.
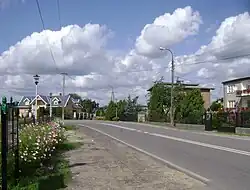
(102, 163)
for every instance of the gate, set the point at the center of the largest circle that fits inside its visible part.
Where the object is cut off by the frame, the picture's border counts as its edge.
(9, 139)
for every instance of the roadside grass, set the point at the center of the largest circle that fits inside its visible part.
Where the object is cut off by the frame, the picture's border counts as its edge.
(70, 127)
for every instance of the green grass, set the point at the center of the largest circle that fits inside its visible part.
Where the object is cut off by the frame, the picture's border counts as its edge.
(70, 127)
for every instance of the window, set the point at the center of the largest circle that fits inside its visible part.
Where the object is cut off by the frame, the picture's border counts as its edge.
(248, 86)
(27, 102)
(231, 88)
(231, 104)
(55, 102)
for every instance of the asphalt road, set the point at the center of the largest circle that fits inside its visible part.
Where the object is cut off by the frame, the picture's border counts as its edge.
(224, 161)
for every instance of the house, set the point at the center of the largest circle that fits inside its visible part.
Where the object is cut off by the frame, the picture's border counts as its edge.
(27, 104)
(205, 91)
(236, 93)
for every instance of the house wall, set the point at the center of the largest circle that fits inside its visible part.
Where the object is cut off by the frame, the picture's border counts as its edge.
(23, 112)
(206, 95)
(231, 96)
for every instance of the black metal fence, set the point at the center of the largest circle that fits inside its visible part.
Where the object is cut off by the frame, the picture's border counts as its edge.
(9, 139)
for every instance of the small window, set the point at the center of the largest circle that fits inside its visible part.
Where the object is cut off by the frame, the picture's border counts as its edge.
(55, 102)
(231, 104)
(27, 102)
(231, 88)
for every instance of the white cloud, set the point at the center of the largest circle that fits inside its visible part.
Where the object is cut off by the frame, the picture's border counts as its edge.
(167, 30)
(83, 53)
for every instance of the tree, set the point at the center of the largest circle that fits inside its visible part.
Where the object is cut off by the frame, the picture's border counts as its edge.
(89, 105)
(159, 97)
(111, 111)
(131, 109)
(75, 96)
(160, 100)
(191, 107)
(216, 105)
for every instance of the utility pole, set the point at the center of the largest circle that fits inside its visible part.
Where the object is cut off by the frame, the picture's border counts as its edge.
(172, 85)
(63, 94)
(112, 94)
(172, 92)
(114, 100)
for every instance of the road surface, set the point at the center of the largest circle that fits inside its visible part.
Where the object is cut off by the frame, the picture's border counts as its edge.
(223, 161)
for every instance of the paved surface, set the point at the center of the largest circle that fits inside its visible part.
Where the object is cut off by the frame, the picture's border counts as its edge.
(104, 164)
(225, 161)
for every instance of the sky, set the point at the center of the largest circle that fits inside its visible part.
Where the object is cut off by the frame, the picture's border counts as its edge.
(104, 44)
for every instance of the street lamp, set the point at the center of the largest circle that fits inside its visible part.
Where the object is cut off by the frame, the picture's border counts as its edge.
(50, 106)
(36, 78)
(172, 85)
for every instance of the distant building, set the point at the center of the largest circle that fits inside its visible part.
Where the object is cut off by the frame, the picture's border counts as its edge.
(236, 93)
(27, 103)
(205, 91)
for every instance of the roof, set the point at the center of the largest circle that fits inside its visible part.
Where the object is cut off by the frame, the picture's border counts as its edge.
(236, 80)
(46, 99)
(187, 85)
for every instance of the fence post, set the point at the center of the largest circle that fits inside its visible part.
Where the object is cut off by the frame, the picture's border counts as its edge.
(17, 144)
(4, 122)
(12, 122)
(237, 119)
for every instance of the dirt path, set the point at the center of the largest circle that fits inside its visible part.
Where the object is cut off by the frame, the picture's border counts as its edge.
(102, 163)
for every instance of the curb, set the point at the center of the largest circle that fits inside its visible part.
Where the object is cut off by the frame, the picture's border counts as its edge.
(169, 164)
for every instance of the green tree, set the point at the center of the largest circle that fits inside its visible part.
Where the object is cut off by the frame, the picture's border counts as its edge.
(191, 107)
(158, 101)
(216, 105)
(131, 109)
(111, 111)
(75, 96)
(89, 106)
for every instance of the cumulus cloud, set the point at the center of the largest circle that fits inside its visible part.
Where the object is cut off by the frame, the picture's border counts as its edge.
(167, 30)
(82, 52)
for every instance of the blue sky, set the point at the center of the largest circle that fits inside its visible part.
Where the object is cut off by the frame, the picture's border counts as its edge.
(125, 18)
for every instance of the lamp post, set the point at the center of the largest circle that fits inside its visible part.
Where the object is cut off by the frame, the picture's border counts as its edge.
(50, 106)
(172, 85)
(36, 78)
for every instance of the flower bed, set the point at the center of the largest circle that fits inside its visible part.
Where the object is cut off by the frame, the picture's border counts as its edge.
(38, 152)
(38, 142)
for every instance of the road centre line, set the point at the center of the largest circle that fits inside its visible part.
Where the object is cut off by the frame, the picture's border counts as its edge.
(232, 150)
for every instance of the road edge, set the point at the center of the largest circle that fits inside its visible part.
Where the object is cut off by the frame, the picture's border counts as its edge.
(169, 164)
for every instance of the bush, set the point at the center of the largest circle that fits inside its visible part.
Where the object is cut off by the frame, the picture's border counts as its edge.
(38, 142)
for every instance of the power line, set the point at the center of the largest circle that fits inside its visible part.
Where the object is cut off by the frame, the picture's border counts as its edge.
(43, 25)
(59, 13)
